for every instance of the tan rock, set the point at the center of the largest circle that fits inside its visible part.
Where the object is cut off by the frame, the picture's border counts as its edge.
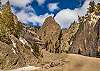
(49, 33)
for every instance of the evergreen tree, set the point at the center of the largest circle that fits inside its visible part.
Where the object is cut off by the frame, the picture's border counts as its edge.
(91, 7)
(98, 8)
(8, 24)
(0, 5)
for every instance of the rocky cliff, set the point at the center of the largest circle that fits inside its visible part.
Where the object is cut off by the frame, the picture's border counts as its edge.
(67, 34)
(56, 39)
(19, 46)
(50, 34)
(22, 46)
(86, 39)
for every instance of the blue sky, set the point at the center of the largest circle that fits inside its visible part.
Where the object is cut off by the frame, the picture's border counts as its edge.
(62, 4)
(35, 11)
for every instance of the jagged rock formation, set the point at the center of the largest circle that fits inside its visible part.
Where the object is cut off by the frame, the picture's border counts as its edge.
(67, 34)
(15, 55)
(8, 58)
(19, 46)
(81, 38)
(50, 34)
(8, 24)
(56, 39)
(85, 41)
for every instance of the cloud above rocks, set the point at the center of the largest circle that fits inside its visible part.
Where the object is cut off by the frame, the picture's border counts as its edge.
(20, 3)
(53, 6)
(67, 16)
(27, 13)
(26, 17)
(64, 18)
(40, 2)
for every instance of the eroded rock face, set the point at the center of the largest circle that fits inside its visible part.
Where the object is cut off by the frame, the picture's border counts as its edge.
(67, 34)
(98, 33)
(16, 55)
(18, 46)
(50, 34)
(86, 39)
(8, 58)
(56, 39)
(24, 50)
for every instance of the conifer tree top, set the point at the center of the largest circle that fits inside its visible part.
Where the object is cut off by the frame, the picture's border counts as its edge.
(91, 7)
(0, 5)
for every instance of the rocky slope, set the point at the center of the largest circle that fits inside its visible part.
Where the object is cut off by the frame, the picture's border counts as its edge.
(86, 39)
(67, 34)
(24, 46)
(19, 46)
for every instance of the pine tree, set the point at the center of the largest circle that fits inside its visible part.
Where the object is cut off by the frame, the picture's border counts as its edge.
(91, 7)
(18, 28)
(8, 24)
(0, 4)
(98, 8)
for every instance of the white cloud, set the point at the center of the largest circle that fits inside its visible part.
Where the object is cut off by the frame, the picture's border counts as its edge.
(67, 16)
(20, 3)
(27, 13)
(64, 17)
(40, 2)
(4, 1)
(38, 19)
(22, 16)
(97, 1)
(83, 10)
(53, 6)
(26, 17)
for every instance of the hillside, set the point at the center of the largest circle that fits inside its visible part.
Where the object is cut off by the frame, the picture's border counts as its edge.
(19, 46)
(48, 47)
(86, 40)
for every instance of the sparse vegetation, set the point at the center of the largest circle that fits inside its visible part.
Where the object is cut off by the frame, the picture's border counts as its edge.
(8, 25)
(98, 8)
(91, 7)
(36, 51)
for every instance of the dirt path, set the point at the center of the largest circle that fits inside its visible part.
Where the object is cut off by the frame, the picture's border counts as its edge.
(74, 62)
(82, 63)
(65, 62)
(29, 68)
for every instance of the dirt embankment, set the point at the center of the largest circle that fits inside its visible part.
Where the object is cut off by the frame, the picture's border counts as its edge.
(71, 62)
